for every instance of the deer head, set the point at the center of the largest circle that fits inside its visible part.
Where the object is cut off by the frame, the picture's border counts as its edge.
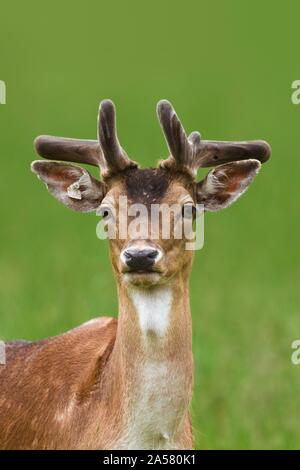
(153, 259)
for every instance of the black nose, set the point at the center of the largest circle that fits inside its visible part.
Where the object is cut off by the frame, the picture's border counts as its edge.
(140, 260)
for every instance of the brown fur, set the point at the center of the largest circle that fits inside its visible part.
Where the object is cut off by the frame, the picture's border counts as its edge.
(78, 390)
(73, 391)
(39, 381)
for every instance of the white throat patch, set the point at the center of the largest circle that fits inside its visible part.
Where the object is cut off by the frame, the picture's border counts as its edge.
(153, 308)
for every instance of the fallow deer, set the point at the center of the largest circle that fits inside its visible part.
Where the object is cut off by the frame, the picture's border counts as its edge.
(126, 383)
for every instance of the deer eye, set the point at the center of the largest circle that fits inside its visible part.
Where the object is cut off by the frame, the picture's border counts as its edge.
(105, 212)
(188, 211)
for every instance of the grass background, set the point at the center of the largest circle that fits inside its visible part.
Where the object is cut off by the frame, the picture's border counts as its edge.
(228, 68)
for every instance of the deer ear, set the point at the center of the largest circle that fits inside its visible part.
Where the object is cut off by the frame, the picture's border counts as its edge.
(70, 184)
(226, 183)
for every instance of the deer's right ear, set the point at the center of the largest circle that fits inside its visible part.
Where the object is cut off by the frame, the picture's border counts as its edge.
(70, 184)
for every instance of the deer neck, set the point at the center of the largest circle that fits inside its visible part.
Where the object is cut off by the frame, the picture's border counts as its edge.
(154, 322)
(153, 355)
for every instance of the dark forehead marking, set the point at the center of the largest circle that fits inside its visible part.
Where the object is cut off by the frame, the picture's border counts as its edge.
(149, 185)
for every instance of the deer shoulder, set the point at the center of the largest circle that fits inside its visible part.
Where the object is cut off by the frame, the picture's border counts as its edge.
(62, 373)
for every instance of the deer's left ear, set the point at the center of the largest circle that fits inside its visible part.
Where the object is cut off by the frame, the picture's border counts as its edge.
(226, 183)
(70, 184)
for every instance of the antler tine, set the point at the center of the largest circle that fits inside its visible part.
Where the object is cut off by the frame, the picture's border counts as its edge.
(174, 132)
(105, 152)
(208, 153)
(69, 150)
(115, 157)
(189, 154)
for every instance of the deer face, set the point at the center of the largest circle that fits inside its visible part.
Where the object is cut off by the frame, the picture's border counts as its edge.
(148, 251)
(153, 205)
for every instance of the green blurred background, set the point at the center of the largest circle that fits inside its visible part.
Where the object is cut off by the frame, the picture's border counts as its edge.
(227, 67)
